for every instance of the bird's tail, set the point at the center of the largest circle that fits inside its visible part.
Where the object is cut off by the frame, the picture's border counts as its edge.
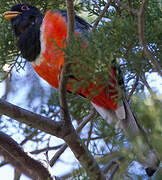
(126, 121)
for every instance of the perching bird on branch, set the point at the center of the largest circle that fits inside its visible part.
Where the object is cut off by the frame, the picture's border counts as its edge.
(41, 40)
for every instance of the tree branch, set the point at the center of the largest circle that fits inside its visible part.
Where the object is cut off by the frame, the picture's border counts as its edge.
(79, 128)
(114, 161)
(152, 93)
(57, 129)
(101, 15)
(72, 139)
(65, 116)
(17, 164)
(133, 11)
(11, 146)
(46, 149)
(90, 133)
(58, 154)
(133, 88)
(29, 137)
(129, 4)
(114, 170)
(141, 37)
(70, 17)
(86, 120)
(83, 155)
(17, 174)
(32, 119)
(143, 78)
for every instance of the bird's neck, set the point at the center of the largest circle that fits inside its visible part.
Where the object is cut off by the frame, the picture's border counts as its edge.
(29, 40)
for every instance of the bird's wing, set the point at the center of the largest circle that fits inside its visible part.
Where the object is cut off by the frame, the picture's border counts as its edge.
(81, 25)
(139, 138)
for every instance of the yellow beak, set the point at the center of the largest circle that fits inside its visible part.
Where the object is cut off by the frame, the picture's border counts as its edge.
(11, 14)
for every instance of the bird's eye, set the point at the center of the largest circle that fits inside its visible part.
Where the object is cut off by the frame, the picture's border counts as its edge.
(24, 7)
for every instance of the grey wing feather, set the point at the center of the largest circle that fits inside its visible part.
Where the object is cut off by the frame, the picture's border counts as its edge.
(146, 154)
(81, 25)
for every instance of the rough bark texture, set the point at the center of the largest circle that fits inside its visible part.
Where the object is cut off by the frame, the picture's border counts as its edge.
(15, 151)
(32, 119)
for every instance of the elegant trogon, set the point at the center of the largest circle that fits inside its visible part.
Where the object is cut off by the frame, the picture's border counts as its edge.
(41, 39)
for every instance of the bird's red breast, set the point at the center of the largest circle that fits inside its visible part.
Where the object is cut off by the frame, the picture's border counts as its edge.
(51, 60)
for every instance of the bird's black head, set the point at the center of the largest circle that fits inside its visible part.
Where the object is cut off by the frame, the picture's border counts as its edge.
(22, 16)
(26, 21)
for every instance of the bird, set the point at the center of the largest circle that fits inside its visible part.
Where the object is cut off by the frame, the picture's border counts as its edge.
(41, 39)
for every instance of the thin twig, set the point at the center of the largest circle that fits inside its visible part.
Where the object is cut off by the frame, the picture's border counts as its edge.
(86, 120)
(153, 95)
(143, 79)
(57, 155)
(7, 88)
(19, 1)
(114, 161)
(131, 14)
(101, 15)
(29, 137)
(130, 9)
(114, 170)
(46, 149)
(90, 133)
(133, 88)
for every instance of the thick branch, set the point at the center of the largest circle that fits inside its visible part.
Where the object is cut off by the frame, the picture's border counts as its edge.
(17, 164)
(72, 139)
(70, 17)
(56, 129)
(65, 116)
(84, 156)
(141, 37)
(15, 151)
(32, 119)
(79, 128)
